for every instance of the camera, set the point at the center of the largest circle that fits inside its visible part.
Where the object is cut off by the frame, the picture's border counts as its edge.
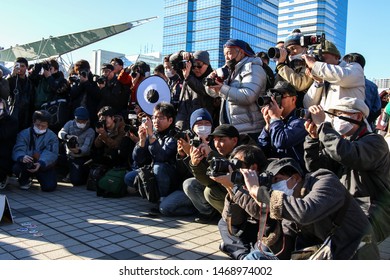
(265, 179)
(309, 40)
(46, 65)
(72, 142)
(274, 53)
(303, 114)
(134, 72)
(101, 124)
(220, 166)
(195, 142)
(178, 133)
(222, 74)
(178, 62)
(30, 165)
(74, 79)
(101, 80)
(266, 99)
(83, 73)
(132, 127)
(17, 65)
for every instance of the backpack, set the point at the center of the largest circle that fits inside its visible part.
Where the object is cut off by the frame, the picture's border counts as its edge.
(95, 173)
(112, 183)
(146, 183)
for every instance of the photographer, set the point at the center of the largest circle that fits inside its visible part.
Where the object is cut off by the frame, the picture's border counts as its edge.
(284, 133)
(175, 83)
(78, 138)
(333, 79)
(359, 157)
(4, 86)
(246, 82)
(310, 209)
(110, 130)
(35, 154)
(239, 224)
(290, 65)
(84, 92)
(113, 93)
(194, 68)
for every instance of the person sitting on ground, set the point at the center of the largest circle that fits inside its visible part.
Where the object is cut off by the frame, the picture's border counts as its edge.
(35, 154)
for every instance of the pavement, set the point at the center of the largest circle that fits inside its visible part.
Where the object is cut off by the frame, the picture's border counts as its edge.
(72, 223)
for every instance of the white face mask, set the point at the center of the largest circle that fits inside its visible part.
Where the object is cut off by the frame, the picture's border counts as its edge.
(202, 130)
(81, 125)
(342, 126)
(282, 186)
(39, 131)
(168, 73)
(297, 56)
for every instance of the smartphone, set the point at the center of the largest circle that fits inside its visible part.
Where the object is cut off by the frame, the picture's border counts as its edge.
(17, 65)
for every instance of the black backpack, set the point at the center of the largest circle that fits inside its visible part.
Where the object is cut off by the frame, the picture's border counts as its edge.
(96, 172)
(146, 183)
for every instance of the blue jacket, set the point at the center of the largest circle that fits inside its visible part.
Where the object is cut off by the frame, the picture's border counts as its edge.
(28, 143)
(285, 138)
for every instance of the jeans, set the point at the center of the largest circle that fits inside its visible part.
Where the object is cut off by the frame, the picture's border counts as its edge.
(78, 172)
(260, 255)
(47, 177)
(130, 177)
(177, 204)
(195, 192)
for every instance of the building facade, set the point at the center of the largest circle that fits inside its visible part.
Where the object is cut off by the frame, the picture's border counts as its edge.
(193, 25)
(314, 17)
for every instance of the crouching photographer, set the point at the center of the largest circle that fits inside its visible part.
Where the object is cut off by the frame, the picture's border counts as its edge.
(239, 224)
(78, 138)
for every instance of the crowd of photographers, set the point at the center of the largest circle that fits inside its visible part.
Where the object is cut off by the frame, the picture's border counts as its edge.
(282, 161)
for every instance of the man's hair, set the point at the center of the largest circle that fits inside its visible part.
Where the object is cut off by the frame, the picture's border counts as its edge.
(251, 155)
(263, 55)
(166, 109)
(22, 60)
(54, 63)
(355, 57)
(166, 58)
(159, 69)
(82, 65)
(41, 115)
(117, 60)
(106, 111)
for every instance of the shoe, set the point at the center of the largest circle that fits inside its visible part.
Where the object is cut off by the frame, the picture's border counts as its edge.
(132, 191)
(4, 183)
(207, 219)
(26, 186)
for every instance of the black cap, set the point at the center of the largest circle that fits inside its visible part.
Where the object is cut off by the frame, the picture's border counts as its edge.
(225, 130)
(107, 66)
(283, 87)
(278, 164)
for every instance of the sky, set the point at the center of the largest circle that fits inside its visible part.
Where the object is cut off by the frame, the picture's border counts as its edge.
(25, 21)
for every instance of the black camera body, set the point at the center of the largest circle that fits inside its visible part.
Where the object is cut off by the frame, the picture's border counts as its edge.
(101, 80)
(72, 142)
(311, 42)
(266, 99)
(83, 73)
(222, 74)
(101, 124)
(303, 113)
(74, 79)
(195, 142)
(178, 133)
(220, 166)
(274, 53)
(30, 165)
(265, 179)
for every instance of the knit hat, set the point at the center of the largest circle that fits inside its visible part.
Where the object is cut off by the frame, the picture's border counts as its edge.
(200, 115)
(350, 105)
(240, 44)
(202, 56)
(293, 39)
(278, 164)
(225, 130)
(81, 114)
(329, 47)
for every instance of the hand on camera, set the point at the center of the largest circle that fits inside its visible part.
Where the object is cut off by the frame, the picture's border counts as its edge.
(225, 180)
(196, 156)
(317, 114)
(251, 181)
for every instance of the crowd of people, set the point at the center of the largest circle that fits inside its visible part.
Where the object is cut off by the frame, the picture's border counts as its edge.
(281, 161)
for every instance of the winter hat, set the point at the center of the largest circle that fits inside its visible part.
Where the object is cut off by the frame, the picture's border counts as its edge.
(293, 39)
(350, 105)
(199, 115)
(240, 44)
(81, 114)
(202, 56)
(329, 47)
(277, 165)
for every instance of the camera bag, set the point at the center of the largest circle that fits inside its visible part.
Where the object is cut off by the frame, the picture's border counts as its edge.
(96, 172)
(112, 183)
(146, 183)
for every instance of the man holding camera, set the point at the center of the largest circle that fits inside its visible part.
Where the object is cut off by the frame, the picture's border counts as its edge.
(312, 209)
(333, 79)
(291, 67)
(78, 137)
(35, 154)
(284, 133)
(240, 90)
(194, 68)
(359, 157)
(21, 94)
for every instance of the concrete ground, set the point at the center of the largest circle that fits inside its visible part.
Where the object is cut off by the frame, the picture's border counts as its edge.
(74, 224)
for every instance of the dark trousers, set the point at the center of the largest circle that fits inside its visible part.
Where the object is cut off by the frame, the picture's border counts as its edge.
(78, 172)
(47, 177)
(237, 247)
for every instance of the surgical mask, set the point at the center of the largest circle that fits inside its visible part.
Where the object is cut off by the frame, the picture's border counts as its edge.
(297, 56)
(202, 130)
(282, 186)
(39, 131)
(168, 73)
(342, 126)
(81, 125)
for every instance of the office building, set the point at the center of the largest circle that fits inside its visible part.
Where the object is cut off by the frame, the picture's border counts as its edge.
(208, 24)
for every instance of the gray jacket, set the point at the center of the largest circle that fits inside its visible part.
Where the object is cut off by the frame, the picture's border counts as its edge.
(363, 167)
(239, 96)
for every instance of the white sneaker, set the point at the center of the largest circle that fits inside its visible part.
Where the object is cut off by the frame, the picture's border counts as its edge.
(26, 186)
(4, 184)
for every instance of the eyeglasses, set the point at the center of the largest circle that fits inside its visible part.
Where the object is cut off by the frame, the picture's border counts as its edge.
(197, 66)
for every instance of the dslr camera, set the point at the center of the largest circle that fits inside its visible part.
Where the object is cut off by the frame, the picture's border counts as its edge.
(101, 124)
(195, 142)
(303, 113)
(72, 142)
(101, 79)
(222, 74)
(178, 62)
(311, 42)
(266, 99)
(220, 166)
(178, 133)
(30, 165)
(265, 179)
(132, 126)
(274, 53)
